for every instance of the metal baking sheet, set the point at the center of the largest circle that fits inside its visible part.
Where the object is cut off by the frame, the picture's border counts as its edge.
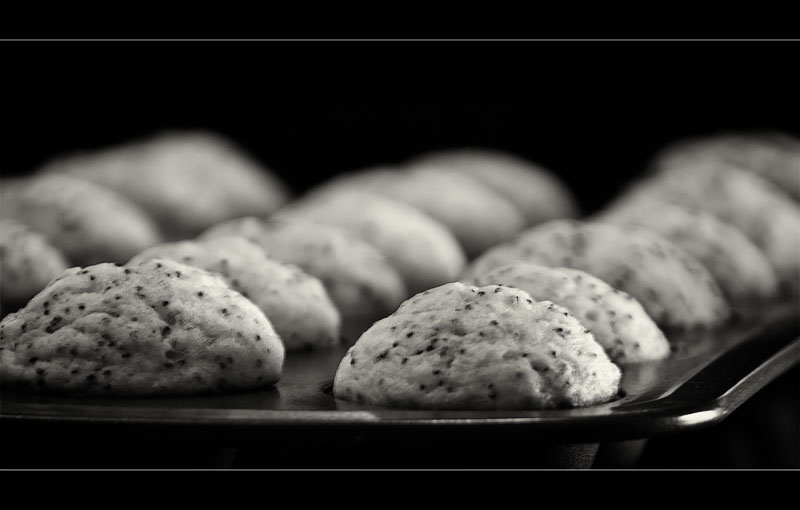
(707, 377)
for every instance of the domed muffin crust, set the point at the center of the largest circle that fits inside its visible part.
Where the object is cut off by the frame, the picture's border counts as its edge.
(295, 302)
(161, 328)
(463, 347)
(423, 252)
(674, 288)
(617, 321)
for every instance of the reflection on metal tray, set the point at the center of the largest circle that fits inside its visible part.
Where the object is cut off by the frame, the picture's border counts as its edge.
(707, 377)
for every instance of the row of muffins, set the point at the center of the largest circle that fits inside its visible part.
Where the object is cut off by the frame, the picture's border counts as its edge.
(407, 241)
(706, 231)
(367, 268)
(109, 205)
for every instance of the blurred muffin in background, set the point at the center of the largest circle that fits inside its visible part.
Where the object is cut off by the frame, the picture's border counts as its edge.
(295, 302)
(423, 251)
(87, 222)
(742, 271)
(761, 211)
(358, 278)
(187, 181)
(773, 155)
(674, 288)
(535, 191)
(477, 216)
(27, 263)
(9, 188)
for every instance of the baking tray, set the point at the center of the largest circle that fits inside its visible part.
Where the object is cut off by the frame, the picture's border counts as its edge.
(708, 376)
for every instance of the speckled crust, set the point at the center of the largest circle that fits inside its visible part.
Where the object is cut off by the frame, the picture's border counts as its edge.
(673, 287)
(769, 218)
(358, 279)
(27, 262)
(536, 192)
(187, 181)
(295, 302)
(422, 251)
(88, 223)
(161, 328)
(742, 271)
(463, 347)
(477, 216)
(772, 155)
(618, 322)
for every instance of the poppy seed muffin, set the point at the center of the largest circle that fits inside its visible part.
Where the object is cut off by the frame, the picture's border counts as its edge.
(27, 263)
(462, 347)
(358, 279)
(88, 223)
(617, 321)
(742, 271)
(673, 287)
(186, 180)
(536, 192)
(295, 302)
(161, 328)
(422, 251)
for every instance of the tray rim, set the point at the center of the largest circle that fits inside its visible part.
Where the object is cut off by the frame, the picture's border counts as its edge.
(685, 407)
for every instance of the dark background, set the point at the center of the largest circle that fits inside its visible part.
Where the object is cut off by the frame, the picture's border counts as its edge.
(592, 111)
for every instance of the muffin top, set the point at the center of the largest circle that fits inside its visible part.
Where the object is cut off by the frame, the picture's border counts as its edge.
(295, 302)
(618, 322)
(161, 328)
(463, 347)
